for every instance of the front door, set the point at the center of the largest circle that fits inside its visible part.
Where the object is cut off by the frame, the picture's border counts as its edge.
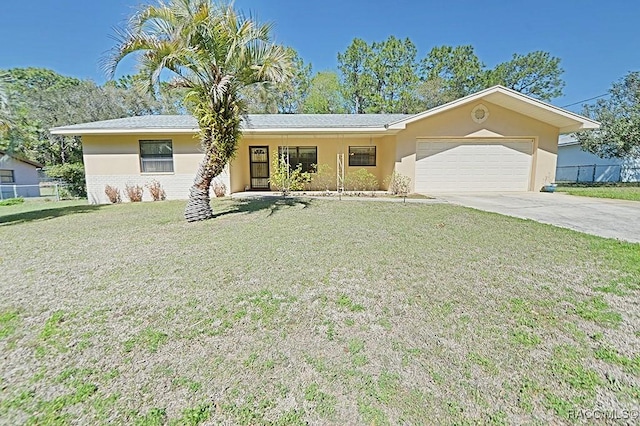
(259, 165)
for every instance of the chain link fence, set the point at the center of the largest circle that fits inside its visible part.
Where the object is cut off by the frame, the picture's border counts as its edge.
(597, 173)
(49, 190)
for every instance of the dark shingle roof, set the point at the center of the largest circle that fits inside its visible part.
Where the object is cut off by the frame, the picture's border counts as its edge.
(20, 158)
(250, 122)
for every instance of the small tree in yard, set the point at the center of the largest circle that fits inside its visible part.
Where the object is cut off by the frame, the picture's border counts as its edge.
(286, 178)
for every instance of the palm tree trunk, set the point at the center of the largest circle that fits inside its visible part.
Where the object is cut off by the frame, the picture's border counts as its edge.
(199, 204)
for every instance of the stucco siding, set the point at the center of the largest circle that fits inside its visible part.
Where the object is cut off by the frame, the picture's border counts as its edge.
(501, 124)
(115, 160)
(327, 149)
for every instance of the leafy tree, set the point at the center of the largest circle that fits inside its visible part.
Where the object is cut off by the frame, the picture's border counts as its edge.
(619, 116)
(39, 99)
(5, 118)
(537, 74)
(213, 52)
(324, 95)
(134, 97)
(292, 91)
(357, 76)
(73, 175)
(381, 77)
(429, 94)
(285, 97)
(36, 101)
(457, 69)
(393, 65)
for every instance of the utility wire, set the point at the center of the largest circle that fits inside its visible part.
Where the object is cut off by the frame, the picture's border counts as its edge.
(585, 100)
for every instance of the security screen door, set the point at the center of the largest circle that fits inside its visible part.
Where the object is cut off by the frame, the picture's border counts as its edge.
(259, 164)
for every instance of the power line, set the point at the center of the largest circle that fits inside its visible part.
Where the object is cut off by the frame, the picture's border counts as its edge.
(585, 100)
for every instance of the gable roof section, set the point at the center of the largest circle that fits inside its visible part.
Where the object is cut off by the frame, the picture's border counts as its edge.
(20, 158)
(564, 120)
(252, 123)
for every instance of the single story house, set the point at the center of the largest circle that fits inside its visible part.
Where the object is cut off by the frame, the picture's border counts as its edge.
(576, 165)
(493, 140)
(18, 177)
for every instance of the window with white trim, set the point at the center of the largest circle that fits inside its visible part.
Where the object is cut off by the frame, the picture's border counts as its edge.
(156, 156)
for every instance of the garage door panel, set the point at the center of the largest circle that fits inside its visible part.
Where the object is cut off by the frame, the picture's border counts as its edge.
(446, 166)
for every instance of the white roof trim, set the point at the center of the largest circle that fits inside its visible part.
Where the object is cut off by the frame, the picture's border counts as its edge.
(316, 130)
(572, 121)
(122, 131)
(143, 131)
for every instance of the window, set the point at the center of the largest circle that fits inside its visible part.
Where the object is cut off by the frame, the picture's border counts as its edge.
(362, 156)
(305, 155)
(156, 156)
(6, 176)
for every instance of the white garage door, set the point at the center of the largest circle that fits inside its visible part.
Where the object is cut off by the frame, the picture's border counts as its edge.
(479, 165)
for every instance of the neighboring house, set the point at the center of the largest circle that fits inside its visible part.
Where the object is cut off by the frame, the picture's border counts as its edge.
(576, 165)
(18, 177)
(493, 140)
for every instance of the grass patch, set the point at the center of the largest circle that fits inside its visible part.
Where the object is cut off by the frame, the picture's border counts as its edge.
(148, 339)
(11, 202)
(8, 323)
(612, 356)
(596, 309)
(309, 312)
(621, 193)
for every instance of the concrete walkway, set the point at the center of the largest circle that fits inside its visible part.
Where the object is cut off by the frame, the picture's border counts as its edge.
(597, 216)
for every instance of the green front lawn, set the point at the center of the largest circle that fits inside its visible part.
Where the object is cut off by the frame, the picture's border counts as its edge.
(311, 312)
(622, 193)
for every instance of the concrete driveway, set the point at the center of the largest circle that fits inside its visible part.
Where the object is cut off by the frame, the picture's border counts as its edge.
(597, 216)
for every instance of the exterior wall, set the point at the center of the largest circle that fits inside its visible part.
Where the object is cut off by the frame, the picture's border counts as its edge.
(23, 174)
(501, 124)
(328, 148)
(115, 160)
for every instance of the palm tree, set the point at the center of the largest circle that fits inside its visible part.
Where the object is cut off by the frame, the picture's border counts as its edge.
(213, 52)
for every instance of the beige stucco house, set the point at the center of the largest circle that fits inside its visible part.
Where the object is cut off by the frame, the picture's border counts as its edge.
(18, 177)
(494, 140)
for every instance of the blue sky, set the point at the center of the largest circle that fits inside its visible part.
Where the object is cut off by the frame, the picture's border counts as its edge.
(597, 40)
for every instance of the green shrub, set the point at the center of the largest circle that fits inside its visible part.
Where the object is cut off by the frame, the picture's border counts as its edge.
(11, 201)
(72, 174)
(286, 178)
(322, 179)
(360, 180)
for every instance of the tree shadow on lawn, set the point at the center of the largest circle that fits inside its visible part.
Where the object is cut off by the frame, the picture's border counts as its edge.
(259, 204)
(46, 214)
